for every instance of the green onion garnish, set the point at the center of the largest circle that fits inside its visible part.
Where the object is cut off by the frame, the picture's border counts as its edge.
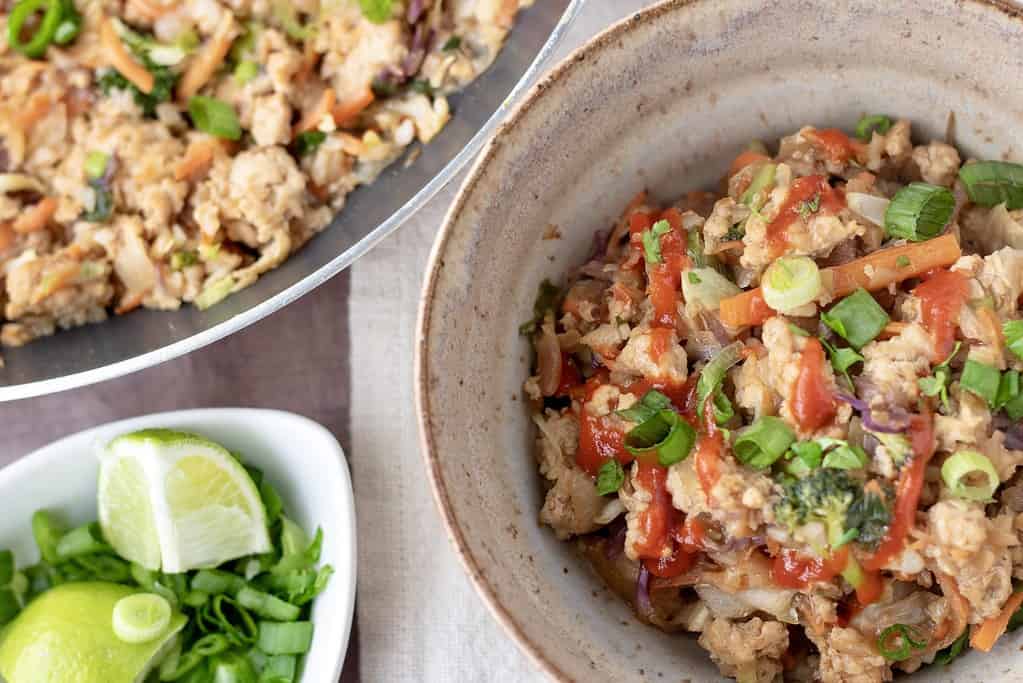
(44, 32)
(755, 195)
(919, 212)
(292, 638)
(844, 456)
(96, 165)
(937, 383)
(990, 183)
(857, 318)
(266, 605)
(1008, 389)
(245, 71)
(47, 535)
(665, 434)
(308, 141)
(1013, 331)
(790, 282)
(866, 126)
(805, 457)
(452, 43)
(896, 643)
(649, 405)
(971, 476)
(85, 540)
(763, 442)
(610, 477)
(713, 373)
(982, 380)
(945, 657)
(652, 241)
(214, 117)
(841, 358)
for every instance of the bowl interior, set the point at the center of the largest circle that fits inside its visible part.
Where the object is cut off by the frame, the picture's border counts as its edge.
(301, 458)
(128, 343)
(663, 101)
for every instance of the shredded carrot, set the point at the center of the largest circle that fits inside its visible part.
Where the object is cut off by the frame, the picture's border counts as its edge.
(6, 235)
(61, 276)
(736, 245)
(122, 60)
(197, 160)
(35, 218)
(201, 69)
(38, 107)
(129, 303)
(990, 630)
(745, 159)
(345, 112)
(872, 272)
(323, 107)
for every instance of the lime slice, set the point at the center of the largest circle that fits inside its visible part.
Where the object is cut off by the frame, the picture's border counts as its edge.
(176, 501)
(141, 618)
(66, 636)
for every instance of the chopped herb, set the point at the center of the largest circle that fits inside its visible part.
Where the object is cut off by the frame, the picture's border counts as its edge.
(383, 87)
(902, 262)
(694, 278)
(937, 383)
(945, 657)
(1013, 331)
(982, 380)
(183, 259)
(735, 233)
(866, 126)
(547, 296)
(857, 318)
(610, 477)
(842, 358)
(103, 205)
(763, 442)
(377, 11)
(652, 241)
(423, 87)
(452, 43)
(214, 117)
(308, 141)
(809, 206)
(164, 80)
(647, 407)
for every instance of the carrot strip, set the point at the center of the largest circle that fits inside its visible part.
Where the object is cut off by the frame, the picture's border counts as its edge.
(35, 218)
(323, 107)
(151, 9)
(202, 68)
(6, 235)
(872, 272)
(345, 112)
(38, 106)
(197, 160)
(990, 630)
(745, 159)
(122, 60)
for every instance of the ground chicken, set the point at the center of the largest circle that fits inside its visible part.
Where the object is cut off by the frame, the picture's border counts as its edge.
(572, 504)
(892, 367)
(938, 163)
(637, 358)
(749, 651)
(739, 500)
(848, 657)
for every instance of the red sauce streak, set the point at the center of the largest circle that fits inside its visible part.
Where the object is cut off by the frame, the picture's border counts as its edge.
(837, 145)
(941, 296)
(813, 403)
(759, 310)
(660, 342)
(599, 441)
(664, 279)
(671, 546)
(870, 589)
(803, 189)
(793, 570)
(907, 493)
(709, 450)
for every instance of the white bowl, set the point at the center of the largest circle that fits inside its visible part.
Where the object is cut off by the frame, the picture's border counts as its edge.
(301, 458)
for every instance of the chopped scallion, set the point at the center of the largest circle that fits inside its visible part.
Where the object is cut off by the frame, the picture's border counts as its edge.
(214, 117)
(293, 638)
(990, 183)
(649, 405)
(764, 442)
(610, 477)
(971, 476)
(897, 643)
(713, 374)
(652, 241)
(982, 380)
(96, 165)
(665, 435)
(857, 318)
(790, 282)
(919, 212)
(755, 195)
(1013, 331)
(866, 126)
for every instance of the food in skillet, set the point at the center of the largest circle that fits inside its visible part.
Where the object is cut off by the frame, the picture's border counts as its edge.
(786, 416)
(155, 152)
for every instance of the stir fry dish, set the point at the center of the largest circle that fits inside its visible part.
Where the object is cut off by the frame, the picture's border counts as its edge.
(155, 152)
(785, 416)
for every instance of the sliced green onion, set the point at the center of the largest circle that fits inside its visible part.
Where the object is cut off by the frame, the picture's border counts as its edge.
(272, 502)
(1012, 404)
(846, 457)
(246, 71)
(70, 24)
(857, 318)
(755, 195)
(1008, 389)
(214, 293)
(763, 442)
(281, 666)
(919, 212)
(982, 380)
(9, 605)
(790, 282)
(723, 408)
(990, 183)
(308, 141)
(713, 373)
(896, 643)
(649, 405)
(708, 288)
(233, 667)
(183, 259)
(47, 535)
(866, 126)
(971, 476)
(44, 32)
(694, 248)
(610, 477)
(945, 657)
(294, 539)
(452, 43)
(96, 165)
(85, 540)
(6, 567)
(293, 638)
(806, 457)
(841, 358)
(266, 605)
(214, 117)
(377, 11)
(1013, 331)
(141, 618)
(665, 434)
(652, 241)
(216, 582)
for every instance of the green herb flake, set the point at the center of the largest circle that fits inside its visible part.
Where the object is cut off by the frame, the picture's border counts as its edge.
(652, 241)
(377, 11)
(452, 44)
(807, 207)
(902, 262)
(308, 141)
(610, 477)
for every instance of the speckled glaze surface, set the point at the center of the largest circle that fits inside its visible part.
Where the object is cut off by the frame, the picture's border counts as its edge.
(663, 101)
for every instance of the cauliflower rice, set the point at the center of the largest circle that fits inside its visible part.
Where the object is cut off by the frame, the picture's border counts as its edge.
(173, 151)
(785, 415)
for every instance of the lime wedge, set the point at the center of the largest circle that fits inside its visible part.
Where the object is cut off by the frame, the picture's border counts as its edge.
(66, 636)
(177, 501)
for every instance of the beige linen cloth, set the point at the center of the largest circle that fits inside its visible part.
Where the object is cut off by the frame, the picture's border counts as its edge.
(342, 355)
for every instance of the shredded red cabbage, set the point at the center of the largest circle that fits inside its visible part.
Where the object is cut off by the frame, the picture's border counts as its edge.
(899, 418)
(643, 605)
(615, 543)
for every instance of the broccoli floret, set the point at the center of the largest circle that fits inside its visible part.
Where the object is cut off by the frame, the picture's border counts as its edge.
(870, 514)
(840, 502)
(164, 80)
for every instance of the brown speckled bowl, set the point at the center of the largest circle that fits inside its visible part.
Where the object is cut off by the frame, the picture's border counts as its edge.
(663, 100)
